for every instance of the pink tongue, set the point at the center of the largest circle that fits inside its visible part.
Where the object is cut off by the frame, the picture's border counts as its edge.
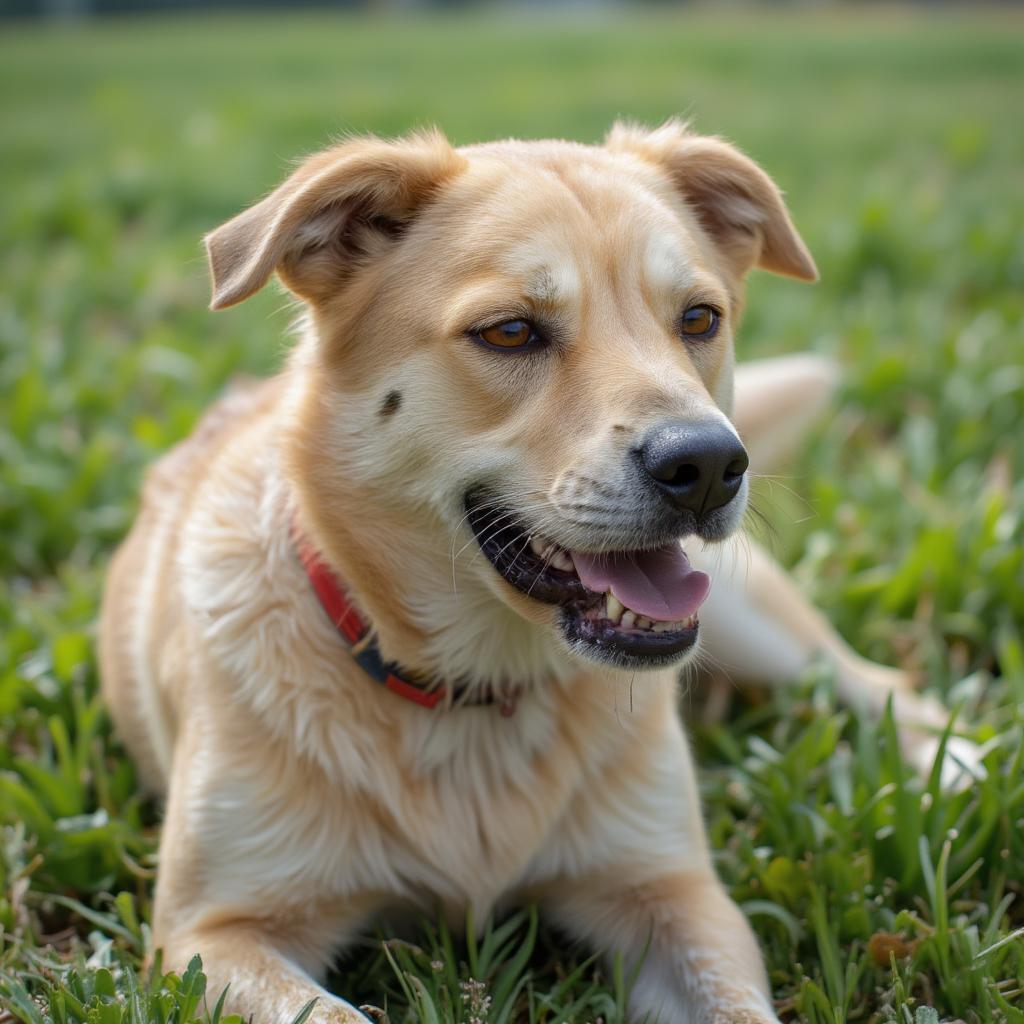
(659, 584)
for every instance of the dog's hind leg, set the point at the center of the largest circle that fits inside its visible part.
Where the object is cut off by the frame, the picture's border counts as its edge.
(777, 402)
(757, 627)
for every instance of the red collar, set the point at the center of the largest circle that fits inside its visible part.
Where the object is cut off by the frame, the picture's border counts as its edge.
(363, 646)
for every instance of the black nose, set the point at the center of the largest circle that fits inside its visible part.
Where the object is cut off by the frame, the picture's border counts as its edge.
(696, 466)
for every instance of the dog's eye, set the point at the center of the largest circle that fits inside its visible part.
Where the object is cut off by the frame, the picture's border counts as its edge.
(699, 322)
(511, 334)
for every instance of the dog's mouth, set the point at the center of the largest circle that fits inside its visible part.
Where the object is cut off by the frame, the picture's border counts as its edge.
(635, 609)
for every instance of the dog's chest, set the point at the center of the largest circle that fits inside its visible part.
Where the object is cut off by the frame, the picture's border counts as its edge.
(473, 800)
(366, 793)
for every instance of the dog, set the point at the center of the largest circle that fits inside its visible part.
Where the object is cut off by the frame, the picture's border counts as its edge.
(402, 626)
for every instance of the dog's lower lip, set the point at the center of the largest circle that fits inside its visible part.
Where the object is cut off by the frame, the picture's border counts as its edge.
(628, 648)
(597, 622)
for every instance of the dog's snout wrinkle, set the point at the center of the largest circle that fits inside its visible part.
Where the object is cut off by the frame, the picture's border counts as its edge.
(588, 505)
(697, 467)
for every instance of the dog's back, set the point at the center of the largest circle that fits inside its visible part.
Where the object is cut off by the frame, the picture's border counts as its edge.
(135, 643)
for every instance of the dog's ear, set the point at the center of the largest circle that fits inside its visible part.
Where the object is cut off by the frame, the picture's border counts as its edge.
(736, 202)
(335, 210)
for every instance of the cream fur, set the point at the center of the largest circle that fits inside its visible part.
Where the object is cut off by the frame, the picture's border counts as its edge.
(302, 798)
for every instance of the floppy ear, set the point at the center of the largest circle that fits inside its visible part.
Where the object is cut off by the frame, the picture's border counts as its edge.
(339, 205)
(736, 202)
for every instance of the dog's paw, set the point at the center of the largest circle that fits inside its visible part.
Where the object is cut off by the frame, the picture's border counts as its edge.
(751, 1008)
(742, 1016)
(338, 1011)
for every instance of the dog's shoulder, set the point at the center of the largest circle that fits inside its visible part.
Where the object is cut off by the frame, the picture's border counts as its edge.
(242, 401)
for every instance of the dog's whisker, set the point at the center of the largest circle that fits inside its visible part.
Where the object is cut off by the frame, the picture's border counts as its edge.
(495, 527)
(764, 523)
(543, 568)
(517, 537)
(774, 481)
(526, 544)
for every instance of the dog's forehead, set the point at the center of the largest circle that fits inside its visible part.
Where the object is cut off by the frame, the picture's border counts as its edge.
(550, 213)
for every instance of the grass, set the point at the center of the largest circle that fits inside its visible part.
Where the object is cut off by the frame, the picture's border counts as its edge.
(875, 895)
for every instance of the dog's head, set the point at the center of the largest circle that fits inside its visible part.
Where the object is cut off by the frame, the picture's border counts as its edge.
(523, 349)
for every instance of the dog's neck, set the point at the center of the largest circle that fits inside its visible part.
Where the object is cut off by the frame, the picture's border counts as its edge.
(358, 636)
(432, 614)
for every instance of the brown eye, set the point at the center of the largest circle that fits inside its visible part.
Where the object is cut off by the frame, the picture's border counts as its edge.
(699, 322)
(513, 334)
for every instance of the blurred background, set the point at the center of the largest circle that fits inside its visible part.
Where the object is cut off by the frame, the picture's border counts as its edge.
(66, 8)
(895, 132)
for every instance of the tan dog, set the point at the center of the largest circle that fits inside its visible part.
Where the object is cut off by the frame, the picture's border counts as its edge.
(508, 405)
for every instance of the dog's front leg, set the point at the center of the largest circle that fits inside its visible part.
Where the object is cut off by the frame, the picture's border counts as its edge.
(694, 956)
(263, 973)
(635, 881)
(250, 863)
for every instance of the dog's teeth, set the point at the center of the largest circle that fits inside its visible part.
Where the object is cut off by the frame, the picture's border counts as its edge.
(642, 622)
(613, 607)
(628, 620)
(665, 627)
(538, 546)
(561, 560)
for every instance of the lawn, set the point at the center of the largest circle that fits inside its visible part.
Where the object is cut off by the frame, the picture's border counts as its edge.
(898, 141)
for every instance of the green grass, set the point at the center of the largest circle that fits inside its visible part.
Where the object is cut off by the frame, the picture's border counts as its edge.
(897, 139)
